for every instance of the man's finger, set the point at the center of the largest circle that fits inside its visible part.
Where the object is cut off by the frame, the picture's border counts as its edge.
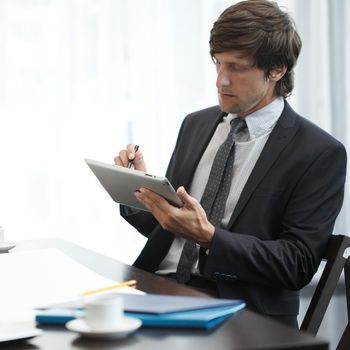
(185, 197)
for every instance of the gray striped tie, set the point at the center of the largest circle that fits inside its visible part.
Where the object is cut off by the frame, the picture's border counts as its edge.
(215, 195)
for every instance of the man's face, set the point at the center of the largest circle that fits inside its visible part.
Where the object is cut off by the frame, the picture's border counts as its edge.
(242, 87)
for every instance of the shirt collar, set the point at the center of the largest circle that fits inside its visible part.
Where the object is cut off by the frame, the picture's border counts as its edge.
(263, 120)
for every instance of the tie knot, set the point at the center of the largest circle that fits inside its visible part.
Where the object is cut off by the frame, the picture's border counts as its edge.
(238, 125)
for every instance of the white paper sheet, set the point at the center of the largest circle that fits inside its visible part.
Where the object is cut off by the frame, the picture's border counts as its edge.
(40, 277)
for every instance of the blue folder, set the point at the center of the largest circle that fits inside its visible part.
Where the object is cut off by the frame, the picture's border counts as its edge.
(202, 318)
(156, 310)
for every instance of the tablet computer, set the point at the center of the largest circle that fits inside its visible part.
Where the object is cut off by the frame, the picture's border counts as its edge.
(121, 183)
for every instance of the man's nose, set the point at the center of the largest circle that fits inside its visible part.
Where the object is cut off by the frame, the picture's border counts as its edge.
(222, 80)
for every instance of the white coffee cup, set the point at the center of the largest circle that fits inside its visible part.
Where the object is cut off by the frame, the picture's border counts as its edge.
(104, 313)
(2, 236)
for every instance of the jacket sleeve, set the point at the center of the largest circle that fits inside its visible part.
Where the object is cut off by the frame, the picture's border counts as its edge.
(142, 220)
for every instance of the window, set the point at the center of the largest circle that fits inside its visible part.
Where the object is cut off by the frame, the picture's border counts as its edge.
(82, 78)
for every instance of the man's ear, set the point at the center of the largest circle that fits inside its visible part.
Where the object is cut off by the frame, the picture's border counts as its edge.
(277, 73)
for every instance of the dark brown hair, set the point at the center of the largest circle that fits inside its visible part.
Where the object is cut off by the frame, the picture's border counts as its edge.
(262, 31)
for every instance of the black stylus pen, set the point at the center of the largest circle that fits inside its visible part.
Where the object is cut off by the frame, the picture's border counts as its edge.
(130, 161)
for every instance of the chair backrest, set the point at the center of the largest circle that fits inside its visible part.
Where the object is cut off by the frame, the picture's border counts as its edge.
(337, 254)
(344, 343)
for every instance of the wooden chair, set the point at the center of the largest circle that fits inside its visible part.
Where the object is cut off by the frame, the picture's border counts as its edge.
(337, 255)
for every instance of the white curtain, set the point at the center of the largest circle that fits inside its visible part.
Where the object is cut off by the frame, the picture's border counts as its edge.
(82, 78)
(322, 93)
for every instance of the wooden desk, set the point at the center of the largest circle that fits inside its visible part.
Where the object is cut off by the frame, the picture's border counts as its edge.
(243, 331)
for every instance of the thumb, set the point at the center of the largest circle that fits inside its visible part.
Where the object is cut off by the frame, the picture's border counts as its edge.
(184, 196)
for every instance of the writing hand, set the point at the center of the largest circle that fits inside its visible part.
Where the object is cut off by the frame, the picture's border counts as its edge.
(131, 154)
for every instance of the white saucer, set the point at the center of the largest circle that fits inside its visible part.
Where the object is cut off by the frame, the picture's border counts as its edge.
(6, 246)
(129, 325)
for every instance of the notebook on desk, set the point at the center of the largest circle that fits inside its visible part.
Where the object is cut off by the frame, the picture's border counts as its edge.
(164, 304)
(17, 331)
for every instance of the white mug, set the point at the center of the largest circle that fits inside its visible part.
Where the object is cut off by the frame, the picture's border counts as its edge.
(2, 236)
(105, 313)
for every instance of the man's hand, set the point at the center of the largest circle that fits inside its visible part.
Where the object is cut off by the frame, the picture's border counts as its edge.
(129, 154)
(189, 221)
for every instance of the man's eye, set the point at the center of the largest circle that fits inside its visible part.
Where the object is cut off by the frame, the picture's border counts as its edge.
(235, 68)
(238, 69)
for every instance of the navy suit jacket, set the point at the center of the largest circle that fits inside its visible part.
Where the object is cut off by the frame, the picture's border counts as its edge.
(285, 215)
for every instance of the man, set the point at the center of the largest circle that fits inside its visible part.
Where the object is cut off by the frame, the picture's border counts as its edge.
(272, 223)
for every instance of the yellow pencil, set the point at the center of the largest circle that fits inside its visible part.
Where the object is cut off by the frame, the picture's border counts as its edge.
(131, 283)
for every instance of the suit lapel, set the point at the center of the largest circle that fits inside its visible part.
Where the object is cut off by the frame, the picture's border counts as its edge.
(281, 135)
(198, 145)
